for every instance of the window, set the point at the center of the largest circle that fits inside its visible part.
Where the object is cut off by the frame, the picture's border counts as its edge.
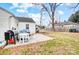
(27, 26)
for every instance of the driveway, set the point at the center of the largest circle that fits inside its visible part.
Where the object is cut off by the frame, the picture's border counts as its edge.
(34, 39)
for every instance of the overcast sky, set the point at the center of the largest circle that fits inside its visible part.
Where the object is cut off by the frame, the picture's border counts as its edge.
(29, 10)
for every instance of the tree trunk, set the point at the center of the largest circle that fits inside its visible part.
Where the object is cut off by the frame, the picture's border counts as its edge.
(53, 24)
(53, 21)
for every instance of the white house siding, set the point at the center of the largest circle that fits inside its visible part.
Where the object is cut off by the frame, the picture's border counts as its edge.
(66, 28)
(13, 23)
(3, 26)
(72, 27)
(5, 23)
(77, 27)
(22, 25)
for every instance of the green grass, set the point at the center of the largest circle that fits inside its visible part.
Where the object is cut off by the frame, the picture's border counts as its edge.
(63, 43)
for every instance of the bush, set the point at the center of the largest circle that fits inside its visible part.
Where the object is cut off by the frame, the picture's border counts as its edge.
(73, 30)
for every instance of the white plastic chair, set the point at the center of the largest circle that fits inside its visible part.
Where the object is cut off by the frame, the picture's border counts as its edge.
(24, 37)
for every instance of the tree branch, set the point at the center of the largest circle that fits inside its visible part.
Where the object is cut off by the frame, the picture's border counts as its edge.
(75, 6)
(46, 9)
(58, 4)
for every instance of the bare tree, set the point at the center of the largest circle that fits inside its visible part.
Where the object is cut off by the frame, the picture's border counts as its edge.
(75, 6)
(50, 8)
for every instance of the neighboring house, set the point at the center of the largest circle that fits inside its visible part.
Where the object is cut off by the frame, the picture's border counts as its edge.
(8, 21)
(26, 23)
(65, 26)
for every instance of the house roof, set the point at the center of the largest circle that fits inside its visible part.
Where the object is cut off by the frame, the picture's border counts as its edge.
(66, 23)
(6, 11)
(21, 19)
(25, 19)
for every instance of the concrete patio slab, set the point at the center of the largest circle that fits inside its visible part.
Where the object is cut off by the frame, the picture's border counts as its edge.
(34, 39)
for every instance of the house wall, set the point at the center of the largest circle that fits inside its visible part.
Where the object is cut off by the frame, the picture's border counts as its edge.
(75, 27)
(22, 25)
(3, 26)
(65, 28)
(6, 23)
(13, 23)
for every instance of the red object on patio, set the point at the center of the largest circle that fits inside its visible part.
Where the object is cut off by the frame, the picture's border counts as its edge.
(11, 41)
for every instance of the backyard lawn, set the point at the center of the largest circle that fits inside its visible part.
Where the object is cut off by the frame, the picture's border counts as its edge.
(63, 43)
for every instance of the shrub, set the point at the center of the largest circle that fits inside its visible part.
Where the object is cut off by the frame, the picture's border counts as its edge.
(73, 30)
